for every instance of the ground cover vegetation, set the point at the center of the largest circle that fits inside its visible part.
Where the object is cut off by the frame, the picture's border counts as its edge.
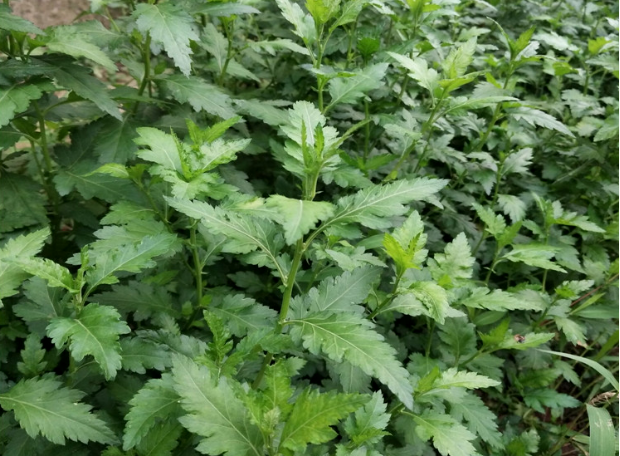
(355, 227)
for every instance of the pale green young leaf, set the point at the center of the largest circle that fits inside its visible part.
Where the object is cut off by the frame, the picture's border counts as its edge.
(434, 298)
(373, 206)
(272, 46)
(323, 10)
(452, 378)
(11, 275)
(11, 22)
(449, 437)
(16, 99)
(67, 41)
(495, 223)
(574, 219)
(369, 423)
(162, 148)
(199, 94)
(535, 117)
(518, 162)
(573, 331)
(157, 401)
(348, 336)
(313, 414)
(298, 217)
(455, 263)
(480, 420)
(526, 341)
(214, 412)
(456, 63)
(419, 71)
(349, 12)
(128, 258)
(303, 116)
(603, 441)
(95, 332)
(170, 27)
(349, 90)
(43, 406)
(55, 274)
(536, 255)
(40, 305)
(303, 23)
(512, 206)
(217, 153)
(461, 105)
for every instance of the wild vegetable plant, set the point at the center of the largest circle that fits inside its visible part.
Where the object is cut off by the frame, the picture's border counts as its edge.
(355, 227)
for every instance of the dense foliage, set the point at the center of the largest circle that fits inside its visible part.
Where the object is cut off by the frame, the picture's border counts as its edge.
(345, 227)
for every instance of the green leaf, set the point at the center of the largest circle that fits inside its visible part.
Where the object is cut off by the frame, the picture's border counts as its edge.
(512, 206)
(142, 354)
(373, 206)
(434, 298)
(95, 332)
(217, 45)
(244, 233)
(214, 412)
(419, 71)
(369, 423)
(16, 99)
(538, 399)
(157, 401)
(497, 300)
(590, 363)
(349, 90)
(350, 10)
(480, 420)
(222, 9)
(115, 142)
(452, 378)
(602, 433)
(130, 258)
(11, 275)
(55, 274)
(298, 217)
(526, 341)
(161, 440)
(303, 23)
(312, 416)
(170, 27)
(349, 337)
(11, 22)
(456, 63)
(535, 117)
(21, 202)
(536, 255)
(44, 407)
(323, 10)
(66, 41)
(162, 148)
(218, 152)
(78, 79)
(32, 363)
(518, 162)
(200, 95)
(455, 263)
(449, 437)
(243, 315)
(495, 223)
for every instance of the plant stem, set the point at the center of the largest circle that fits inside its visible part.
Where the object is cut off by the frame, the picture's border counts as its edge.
(228, 30)
(146, 55)
(197, 275)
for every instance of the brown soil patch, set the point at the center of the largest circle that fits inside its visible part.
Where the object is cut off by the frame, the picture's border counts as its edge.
(44, 13)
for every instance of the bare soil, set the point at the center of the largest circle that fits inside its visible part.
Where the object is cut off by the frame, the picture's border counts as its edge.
(44, 13)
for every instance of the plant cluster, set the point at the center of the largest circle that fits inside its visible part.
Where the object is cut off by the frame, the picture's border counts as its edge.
(344, 227)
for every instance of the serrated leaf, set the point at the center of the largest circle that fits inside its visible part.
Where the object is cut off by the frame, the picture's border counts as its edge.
(157, 401)
(66, 41)
(371, 207)
(131, 258)
(349, 12)
(200, 95)
(140, 355)
(349, 90)
(535, 117)
(303, 23)
(512, 206)
(536, 255)
(44, 407)
(115, 141)
(298, 217)
(172, 28)
(214, 412)
(218, 153)
(243, 315)
(11, 22)
(452, 378)
(95, 332)
(11, 275)
(32, 363)
(518, 162)
(538, 399)
(313, 414)
(161, 440)
(16, 99)
(449, 437)
(55, 274)
(495, 224)
(526, 341)
(21, 202)
(480, 420)
(455, 263)
(369, 422)
(457, 61)
(349, 337)
(162, 148)
(223, 9)
(497, 300)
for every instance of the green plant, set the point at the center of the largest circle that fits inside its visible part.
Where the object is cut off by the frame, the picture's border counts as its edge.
(354, 227)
